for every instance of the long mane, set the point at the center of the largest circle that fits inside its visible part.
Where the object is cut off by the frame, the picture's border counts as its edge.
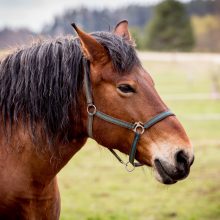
(42, 83)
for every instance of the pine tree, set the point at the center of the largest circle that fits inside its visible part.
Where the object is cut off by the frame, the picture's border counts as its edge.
(170, 28)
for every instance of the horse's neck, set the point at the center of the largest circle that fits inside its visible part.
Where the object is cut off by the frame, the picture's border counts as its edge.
(39, 158)
(28, 171)
(34, 160)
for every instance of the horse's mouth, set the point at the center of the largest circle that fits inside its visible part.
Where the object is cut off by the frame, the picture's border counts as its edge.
(165, 178)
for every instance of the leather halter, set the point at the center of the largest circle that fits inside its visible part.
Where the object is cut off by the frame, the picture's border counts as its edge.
(138, 127)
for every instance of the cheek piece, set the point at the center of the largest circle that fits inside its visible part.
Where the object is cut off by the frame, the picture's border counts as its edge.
(138, 127)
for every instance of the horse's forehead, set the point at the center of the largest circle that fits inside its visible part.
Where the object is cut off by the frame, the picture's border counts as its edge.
(136, 74)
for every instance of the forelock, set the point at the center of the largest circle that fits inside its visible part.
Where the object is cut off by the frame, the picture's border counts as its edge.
(121, 51)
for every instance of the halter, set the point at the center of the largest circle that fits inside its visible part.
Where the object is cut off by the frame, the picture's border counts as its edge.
(138, 127)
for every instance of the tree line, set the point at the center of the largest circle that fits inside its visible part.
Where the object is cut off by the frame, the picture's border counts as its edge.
(168, 26)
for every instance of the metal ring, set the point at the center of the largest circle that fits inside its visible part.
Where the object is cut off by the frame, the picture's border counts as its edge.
(129, 168)
(139, 128)
(91, 109)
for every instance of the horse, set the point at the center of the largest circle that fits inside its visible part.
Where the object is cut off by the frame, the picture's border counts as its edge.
(56, 93)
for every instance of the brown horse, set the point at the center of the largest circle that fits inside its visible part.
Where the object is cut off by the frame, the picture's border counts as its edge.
(45, 111)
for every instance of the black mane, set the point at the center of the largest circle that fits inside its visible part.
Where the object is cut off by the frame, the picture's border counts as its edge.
(42, 83)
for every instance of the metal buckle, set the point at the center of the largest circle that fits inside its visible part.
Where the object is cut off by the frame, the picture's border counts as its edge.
(139, 127)
(91, 109)
(129, 167)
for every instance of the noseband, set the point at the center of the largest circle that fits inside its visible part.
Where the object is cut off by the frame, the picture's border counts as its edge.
(138, 127)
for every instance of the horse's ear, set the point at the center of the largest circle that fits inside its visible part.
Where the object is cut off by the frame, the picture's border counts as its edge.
(121, 29)
(91, 48)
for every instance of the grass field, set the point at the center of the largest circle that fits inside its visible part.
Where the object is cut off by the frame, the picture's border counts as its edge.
(94, 186)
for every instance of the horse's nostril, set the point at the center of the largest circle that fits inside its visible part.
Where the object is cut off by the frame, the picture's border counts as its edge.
(182, 159)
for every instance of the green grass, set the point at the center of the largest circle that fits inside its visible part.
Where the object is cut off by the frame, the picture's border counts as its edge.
(182, 78)
(94, 186)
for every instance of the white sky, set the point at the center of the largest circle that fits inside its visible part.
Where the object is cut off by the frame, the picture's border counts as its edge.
(34, 14)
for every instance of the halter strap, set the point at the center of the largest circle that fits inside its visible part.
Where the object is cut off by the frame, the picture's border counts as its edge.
(138, 128)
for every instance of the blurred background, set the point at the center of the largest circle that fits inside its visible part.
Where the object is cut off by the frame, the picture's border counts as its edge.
(179, 44)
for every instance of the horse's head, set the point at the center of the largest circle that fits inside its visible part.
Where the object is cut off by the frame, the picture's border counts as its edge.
(123, 89)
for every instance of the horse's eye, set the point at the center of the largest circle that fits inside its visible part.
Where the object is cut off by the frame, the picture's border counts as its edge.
(125, 88)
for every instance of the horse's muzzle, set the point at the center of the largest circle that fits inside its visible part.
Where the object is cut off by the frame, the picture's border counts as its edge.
(170, 174)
